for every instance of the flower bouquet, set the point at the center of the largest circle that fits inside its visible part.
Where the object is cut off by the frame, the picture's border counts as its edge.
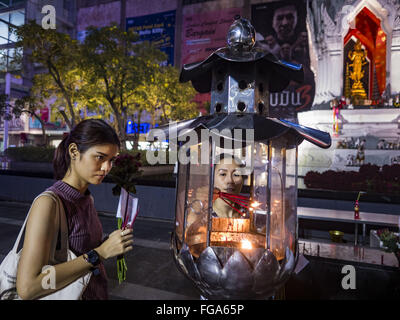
(127, 212)
(124, 173)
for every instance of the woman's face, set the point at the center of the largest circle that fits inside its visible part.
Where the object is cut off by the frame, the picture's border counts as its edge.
(94, 164)
(227, 176)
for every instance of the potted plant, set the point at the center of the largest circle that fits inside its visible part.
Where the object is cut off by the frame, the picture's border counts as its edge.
(390, 242)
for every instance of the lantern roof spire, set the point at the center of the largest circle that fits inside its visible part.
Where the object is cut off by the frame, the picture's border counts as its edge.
(241, 47)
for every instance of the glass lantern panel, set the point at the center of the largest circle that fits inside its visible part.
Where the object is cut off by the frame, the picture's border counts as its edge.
(180, 200)
(260, 184)
(283, 196)
(291, 196)
(278, 200)
(197, 202)
(231, 223)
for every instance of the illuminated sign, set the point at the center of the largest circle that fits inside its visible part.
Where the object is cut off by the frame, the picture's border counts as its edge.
(159, 29)
(132, 127)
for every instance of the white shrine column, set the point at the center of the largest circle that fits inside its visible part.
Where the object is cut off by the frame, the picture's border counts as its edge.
(321, 79)
(319, 63)
(395, 63)
(328, 83)
(336, 68)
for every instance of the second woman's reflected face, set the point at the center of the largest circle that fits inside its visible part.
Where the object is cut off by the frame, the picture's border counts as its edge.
(227, 176)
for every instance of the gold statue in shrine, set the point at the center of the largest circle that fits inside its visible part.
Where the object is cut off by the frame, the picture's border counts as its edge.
(357, 56)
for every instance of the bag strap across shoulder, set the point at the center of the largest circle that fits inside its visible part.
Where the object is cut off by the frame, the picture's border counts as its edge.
(61, 225)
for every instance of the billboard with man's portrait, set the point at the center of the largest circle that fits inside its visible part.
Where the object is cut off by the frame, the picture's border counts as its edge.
(281, 29)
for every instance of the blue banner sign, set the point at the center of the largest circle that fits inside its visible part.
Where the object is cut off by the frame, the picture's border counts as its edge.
(132, 127)
(158, 29)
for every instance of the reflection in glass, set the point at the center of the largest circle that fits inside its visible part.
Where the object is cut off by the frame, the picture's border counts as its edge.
(17, 18)
(4, 28)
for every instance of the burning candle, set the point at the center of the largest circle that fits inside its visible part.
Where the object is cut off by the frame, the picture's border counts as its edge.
(254, 205)
(246, 244)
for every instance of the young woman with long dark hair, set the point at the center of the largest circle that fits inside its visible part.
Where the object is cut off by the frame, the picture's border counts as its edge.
(84, 157)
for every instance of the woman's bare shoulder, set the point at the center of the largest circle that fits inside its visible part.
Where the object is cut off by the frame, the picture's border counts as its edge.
(43, 208)
(40, 232)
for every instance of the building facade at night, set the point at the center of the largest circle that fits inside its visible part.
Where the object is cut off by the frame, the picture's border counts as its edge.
(321, 35)
(25, 130)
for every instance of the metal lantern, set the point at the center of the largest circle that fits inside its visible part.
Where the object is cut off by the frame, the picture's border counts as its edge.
(249, 249)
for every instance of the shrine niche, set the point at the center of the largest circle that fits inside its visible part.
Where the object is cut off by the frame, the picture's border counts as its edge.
(356, 71)
(376, 24)
(355, 52)
(364, 65)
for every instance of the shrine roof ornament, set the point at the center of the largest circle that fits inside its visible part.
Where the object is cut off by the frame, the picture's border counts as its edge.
(264, 128)
(240, 77)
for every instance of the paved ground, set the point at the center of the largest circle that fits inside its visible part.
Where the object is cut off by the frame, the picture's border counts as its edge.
(152, 274)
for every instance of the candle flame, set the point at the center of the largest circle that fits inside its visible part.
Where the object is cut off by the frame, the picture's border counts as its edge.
(254, 205)
(246, 244)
